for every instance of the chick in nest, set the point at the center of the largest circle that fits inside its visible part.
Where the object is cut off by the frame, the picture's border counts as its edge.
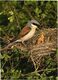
(41, 38)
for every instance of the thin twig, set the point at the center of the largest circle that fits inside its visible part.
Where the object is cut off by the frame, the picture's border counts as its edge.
(42, 70)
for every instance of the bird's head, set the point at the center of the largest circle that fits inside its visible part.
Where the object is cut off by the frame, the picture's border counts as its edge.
(33, 24)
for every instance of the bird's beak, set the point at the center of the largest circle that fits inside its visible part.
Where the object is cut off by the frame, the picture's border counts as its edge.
(37, 28)
(37, 25)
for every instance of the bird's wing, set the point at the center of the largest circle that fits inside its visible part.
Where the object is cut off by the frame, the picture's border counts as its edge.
(24, 31)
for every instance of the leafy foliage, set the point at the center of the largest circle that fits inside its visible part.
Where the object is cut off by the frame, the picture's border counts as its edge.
(13, 17)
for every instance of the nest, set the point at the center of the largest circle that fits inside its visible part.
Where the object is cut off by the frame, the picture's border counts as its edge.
(45, 44)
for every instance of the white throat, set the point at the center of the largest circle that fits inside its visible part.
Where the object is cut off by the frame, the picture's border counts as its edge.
(33, 26)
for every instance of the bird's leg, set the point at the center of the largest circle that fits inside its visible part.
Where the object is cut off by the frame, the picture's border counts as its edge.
(24, 44)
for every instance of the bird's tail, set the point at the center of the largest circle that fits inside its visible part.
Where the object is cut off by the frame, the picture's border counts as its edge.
(19, 40)
(9, 45)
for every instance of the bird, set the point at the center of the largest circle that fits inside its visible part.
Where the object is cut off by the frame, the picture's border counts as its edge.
(27, 32)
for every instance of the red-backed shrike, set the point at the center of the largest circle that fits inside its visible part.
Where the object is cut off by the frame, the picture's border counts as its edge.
(28, 31)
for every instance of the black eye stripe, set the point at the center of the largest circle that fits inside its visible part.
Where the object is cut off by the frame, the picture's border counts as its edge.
(35, 24)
